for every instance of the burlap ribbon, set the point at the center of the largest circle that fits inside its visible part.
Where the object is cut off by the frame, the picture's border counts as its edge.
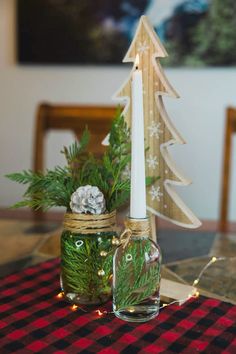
(134, 228)
(90, 224)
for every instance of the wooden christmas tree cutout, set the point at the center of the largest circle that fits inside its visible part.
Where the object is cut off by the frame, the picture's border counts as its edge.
(162, 199)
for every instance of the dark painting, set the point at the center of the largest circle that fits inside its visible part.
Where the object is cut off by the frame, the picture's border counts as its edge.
(194, 32)
(76, 31)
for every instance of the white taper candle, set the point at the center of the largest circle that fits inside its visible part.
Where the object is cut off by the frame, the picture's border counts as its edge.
(138, 186)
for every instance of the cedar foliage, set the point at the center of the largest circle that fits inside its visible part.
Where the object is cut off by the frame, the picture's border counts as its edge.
(80, 266)
(136, 281)
(55, 187)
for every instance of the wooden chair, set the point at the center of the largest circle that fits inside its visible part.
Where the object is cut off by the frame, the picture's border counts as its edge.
(73, 118)
(230, 129)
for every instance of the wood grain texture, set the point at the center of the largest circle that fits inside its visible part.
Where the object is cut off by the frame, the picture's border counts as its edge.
(230, 129)
(75, 118)
(160, 133)
(16, 242)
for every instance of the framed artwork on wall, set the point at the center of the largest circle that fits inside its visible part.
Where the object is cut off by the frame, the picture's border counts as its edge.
(195, 32)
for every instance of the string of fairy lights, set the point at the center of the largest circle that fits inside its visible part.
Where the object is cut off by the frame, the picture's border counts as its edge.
(195, 282)
(195, 294)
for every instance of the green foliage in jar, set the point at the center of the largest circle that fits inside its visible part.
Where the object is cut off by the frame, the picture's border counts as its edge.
(86, 264)
(136, 279)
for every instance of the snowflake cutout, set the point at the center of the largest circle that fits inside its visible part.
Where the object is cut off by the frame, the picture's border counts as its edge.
(155, 130)
(143, 47)
(152, 162)
(156, 193)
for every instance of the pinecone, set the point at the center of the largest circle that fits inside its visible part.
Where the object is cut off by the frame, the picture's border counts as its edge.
(88, 200)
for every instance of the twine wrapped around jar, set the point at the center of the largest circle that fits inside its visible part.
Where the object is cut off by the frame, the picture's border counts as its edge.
(135, 228)
(90, 223)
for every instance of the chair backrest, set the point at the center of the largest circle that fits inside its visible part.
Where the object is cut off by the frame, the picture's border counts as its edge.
(98, 119)
(230, 129)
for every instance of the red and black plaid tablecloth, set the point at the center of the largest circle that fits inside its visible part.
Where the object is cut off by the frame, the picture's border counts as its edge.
(33, 320)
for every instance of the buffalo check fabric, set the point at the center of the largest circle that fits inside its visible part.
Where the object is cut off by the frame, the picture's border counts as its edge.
(34, 320)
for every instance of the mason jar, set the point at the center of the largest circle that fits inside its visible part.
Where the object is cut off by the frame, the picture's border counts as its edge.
(87, 245)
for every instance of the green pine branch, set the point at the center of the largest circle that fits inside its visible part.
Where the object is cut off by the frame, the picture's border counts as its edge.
(136, 281)
(80, 266)
(55, 187)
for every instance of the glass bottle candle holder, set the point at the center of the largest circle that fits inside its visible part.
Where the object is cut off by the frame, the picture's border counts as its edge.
(136, 274)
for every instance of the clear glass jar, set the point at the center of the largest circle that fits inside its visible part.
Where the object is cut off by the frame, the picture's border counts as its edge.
(86, 266)
(136, 279)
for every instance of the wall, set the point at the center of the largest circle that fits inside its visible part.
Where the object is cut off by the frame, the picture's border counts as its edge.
(199, 115)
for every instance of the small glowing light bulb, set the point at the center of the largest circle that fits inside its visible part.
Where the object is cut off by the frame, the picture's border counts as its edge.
(115, 242)
(196, 281)
(164, 305)
(99, 312)
(74, 307)
(197, 294)
(214, 259)
(60, 295)
(131, 309)
(103, 253)
(101, 273)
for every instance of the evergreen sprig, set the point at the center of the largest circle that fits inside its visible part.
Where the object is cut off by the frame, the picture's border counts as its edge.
(144, 278)
(108, 173)
(80, 266)
(55, 187)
